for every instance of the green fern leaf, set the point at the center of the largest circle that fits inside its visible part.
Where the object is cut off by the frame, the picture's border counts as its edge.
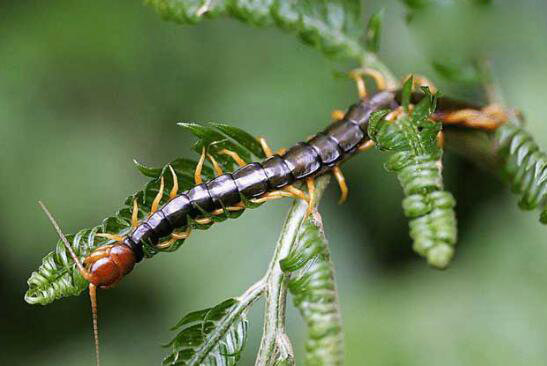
(333, 26)
(417, 162)
(58, 277)
(313, 288)
(210, 337)
(526, 166)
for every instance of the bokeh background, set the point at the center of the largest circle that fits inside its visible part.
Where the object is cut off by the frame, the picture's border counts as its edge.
(85, 87)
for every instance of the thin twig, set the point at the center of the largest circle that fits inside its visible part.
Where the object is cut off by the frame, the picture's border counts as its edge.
(275, 343)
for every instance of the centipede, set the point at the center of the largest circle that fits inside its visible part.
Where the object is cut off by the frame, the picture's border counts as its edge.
(288, 173)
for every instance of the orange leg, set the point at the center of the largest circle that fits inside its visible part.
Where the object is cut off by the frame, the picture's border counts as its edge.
(174, 237)
(366, 146)
(296, 193)
(135, 214)
(100, 252)
(337, 172)
(360, 82)
(337, 115)
(234, 156)
(377, 76)
(216, 166)
(157, 199)
(281, 151)
(265, 147)
(274, 195)
(440, 139)
(204, 221)
(175, 188)
(117, 238)
(489, 118)
(311, 191)
(199, 167)
(359, 74)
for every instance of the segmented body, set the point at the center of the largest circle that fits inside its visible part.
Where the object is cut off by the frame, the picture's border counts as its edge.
(304, 160)
(412, 135)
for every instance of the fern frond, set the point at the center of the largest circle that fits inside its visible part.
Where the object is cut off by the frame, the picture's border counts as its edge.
(332, 26)
(58, 277)
(417, 161)
(526, 166)
(314, 291)
(210, 337)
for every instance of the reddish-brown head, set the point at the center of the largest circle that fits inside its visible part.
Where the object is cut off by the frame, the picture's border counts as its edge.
(108, 264)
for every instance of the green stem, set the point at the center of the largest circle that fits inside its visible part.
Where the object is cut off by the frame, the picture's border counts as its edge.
(275, 344)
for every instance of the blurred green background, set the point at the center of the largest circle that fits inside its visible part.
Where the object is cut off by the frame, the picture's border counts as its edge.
(85, 87)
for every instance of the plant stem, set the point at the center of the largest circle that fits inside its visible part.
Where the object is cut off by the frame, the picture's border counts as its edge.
(275, 344)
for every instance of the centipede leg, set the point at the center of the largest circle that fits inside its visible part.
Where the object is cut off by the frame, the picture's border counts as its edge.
(237, 207)
(377, 76)
(366, 146)
(265, 147)
(216, 166)
(357, 76)
(274, 195)
(310, 183)
(337, 172)
(199, 167)
(235, 156)
(337, 115)
(174, 237)
(440, 139)
(175, 188)
(117, 238)
(135, 214)
(281, 151)
(157, 199)
(296, 193)
(204, 221)
(489, 118)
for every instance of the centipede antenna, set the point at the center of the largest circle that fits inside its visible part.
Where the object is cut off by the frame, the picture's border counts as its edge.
(76, 260)
(85, 274)
(93, 298)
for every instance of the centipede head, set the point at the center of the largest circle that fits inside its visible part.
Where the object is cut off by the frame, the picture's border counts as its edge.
(108, 264)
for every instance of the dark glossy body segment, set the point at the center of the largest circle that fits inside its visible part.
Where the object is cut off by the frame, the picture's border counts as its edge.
(304, 160)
